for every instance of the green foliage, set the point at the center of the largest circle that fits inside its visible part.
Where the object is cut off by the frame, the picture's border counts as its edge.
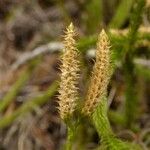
(113, 143)
(15, 89)
(94, 15)
(86, 42)
(28, 106)
(102, 125)
(121, 14)
(118, 43)
(135, 20)
(130, 76)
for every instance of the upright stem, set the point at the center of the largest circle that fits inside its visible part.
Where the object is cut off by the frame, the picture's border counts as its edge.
(102, 125)
(129, 69)
(70, 139)
(131, 93)
(101, 121)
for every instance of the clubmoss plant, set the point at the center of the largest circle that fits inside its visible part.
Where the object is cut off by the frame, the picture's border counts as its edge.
(95, 105)
(68, 86)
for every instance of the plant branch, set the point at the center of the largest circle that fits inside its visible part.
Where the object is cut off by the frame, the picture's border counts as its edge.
(28, 106)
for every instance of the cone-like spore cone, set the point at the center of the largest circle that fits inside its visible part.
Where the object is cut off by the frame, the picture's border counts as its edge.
(100, 75)
(69, 77)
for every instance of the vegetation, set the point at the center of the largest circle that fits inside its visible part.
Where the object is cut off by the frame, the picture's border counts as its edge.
(89, 90)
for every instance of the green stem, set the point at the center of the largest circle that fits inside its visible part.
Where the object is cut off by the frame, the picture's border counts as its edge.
(70, 139)
(15, 89)
(121, 14)
(129, 69)
(102, 125)
(28, 106)
(72, 130)
(101, 121)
